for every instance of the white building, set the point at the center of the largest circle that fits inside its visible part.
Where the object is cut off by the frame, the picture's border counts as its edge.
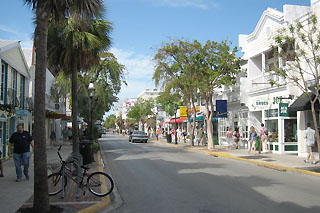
(15, 104)
(262, 99)
(149, 93)
(126, 105)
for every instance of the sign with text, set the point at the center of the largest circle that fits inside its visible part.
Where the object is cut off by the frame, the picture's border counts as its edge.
(283, 110)
(197, 109)
(22, 113)
(221, 108)
(183, 112)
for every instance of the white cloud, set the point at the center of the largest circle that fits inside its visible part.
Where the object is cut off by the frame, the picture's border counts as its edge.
(200, 4)
(13, 34)
(140, 70)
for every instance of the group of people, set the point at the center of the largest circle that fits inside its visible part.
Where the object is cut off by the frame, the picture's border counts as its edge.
(263, 139)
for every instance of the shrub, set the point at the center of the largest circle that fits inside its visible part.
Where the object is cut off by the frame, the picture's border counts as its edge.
(96, 147)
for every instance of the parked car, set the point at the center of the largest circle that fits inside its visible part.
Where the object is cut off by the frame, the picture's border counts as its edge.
(138, 136)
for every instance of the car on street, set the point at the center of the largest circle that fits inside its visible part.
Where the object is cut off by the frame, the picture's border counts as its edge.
(138, 136)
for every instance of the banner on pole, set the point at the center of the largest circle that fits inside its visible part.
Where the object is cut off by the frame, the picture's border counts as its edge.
(221, 108)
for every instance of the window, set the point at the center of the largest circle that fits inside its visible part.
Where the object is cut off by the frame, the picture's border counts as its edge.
(2, 82)
(290, 130)
(14, 80)
(271, 113)
(222, 127)
(272, 126)
(22, 91)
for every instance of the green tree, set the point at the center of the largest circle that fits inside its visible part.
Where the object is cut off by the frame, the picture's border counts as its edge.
(168, 101)
(142, 110)
(298, 47)
(216, 65)
(44, 10)
(110, 122)
(175, 73)
(73, 46)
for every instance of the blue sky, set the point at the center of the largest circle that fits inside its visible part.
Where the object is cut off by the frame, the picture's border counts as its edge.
(140, 27)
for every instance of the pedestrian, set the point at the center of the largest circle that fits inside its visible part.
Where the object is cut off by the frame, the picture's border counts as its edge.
(200, 134)
(236, 136)
(263, 139)
(70, 135)
(309, 135)
(179, 132)
(158, 133)
(252, 140)
(65, 135)
(21, 141)
(53, 138)
(1, 167)
(185, 133)
(229, 135)
(172, 134)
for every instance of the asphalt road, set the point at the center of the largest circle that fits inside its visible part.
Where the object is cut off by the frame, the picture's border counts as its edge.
(154, 178)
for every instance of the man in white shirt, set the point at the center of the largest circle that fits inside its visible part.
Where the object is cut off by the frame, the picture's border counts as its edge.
(309, 135)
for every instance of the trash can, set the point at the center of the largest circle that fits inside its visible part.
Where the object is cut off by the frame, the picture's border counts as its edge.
(86, 150)
(169, 139)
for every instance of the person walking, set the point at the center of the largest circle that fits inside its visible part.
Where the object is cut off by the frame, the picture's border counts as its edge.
(229, 135)
(65, 135)
(263, 139)
(252, 140)
(309, 135)
(21, 141)
(53, 138)
(200, 134)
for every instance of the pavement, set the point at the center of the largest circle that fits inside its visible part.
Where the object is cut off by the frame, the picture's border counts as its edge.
(18, 197)
(280, 162)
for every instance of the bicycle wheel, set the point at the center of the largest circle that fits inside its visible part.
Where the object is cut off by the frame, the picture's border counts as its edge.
(55, 183)
(100, 184)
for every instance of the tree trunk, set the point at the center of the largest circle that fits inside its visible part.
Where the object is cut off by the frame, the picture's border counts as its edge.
(75, 127)
(209, 116)
(194, 121)
(41, 197)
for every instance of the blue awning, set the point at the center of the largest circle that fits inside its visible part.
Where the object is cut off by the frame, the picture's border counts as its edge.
(200, 118)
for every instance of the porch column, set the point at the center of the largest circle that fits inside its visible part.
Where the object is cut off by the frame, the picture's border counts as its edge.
(301, 126)
(281, 135)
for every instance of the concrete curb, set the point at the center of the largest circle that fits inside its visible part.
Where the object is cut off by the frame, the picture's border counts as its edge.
(227, 155)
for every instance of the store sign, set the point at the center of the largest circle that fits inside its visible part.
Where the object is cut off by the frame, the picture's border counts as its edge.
(221, 108)
(283, 110)
(197, 109)
(183, 112)
(22, 113)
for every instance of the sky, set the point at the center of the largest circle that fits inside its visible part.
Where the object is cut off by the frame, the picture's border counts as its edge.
(141, 26)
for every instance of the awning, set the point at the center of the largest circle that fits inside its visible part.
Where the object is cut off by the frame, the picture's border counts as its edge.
(302, 103)
(177, 120)
(200, 118)
(56, 115)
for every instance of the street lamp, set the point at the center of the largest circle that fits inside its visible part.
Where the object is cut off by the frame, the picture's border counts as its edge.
(91, 90)
(175, 122)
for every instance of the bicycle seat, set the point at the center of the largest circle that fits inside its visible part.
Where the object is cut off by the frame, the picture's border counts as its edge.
(86, 167)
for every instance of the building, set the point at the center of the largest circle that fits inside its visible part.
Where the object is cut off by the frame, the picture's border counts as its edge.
(149, 93)
(56, 117)
(263, 100)
(15, 104)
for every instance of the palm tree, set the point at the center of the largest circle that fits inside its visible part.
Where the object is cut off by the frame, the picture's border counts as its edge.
(44, 10)
(73, 46)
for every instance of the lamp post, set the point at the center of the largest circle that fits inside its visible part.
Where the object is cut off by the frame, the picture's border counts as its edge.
(175, 122)
(91, 90)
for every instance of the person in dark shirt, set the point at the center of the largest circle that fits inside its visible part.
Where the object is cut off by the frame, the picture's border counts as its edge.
(21, 141)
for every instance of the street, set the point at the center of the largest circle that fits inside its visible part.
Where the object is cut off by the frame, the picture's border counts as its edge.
(154, 177)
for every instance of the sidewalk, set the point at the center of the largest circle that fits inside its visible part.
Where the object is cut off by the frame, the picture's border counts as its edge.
(15, 195)
(281, 162)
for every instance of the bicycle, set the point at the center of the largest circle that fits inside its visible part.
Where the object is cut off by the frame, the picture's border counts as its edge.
(98, 183)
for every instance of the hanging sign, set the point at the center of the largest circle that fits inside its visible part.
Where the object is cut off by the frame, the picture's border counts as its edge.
(221, 108)
(283, 110)
(183, 112)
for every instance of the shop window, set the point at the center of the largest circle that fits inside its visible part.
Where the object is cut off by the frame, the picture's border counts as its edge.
(290, 130)
(272, 126)
(222, 127)
(271, 113)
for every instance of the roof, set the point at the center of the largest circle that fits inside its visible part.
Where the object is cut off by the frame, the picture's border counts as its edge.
(8, 44)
